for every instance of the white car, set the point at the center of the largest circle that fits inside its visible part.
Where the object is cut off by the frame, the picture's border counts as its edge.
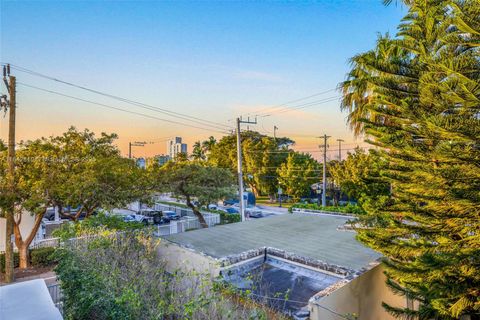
(138, 218)
(212, 206)
(253, 212)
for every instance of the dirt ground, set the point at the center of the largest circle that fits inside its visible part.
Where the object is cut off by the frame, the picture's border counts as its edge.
(32, 273)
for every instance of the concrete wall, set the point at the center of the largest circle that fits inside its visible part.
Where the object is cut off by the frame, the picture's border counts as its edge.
(179, 258)
(363, 297)
(25, 227)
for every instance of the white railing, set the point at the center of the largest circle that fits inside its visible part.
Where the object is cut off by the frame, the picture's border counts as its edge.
(43, 243)
(186, 224)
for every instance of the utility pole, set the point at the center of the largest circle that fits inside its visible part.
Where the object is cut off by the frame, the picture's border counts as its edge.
(239, 166)
(340, 149)
(11, 87)
(130, 145)
(134, 144)
(275, 128)
(324, 184)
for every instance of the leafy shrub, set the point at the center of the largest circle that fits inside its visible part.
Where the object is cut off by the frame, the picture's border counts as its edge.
(16, 261)
(349, 208)
(43, 257)
(226, 218)
(95, 224)
(122, 277)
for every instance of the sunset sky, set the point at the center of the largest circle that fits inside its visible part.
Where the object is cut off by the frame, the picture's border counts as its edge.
(211, 60)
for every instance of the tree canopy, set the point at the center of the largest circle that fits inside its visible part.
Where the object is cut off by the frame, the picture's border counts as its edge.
(197, 182)
(359, 177)
(298, 173)
(75, 169)
(417, 96)
(261, 156)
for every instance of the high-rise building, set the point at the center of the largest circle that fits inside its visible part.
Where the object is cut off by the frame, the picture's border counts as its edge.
(175, 146)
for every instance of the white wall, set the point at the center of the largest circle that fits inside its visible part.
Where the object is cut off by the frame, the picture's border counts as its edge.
(178, 258)
(363, 296)
(25, 227)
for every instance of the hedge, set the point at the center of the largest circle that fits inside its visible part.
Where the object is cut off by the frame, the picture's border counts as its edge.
(349, 208)
(40, 257)
(16, 261)
(43, 257)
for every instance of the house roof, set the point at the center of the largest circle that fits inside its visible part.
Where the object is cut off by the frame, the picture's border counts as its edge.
(310, 236)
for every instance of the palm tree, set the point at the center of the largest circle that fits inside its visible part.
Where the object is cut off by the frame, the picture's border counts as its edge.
(197, 152)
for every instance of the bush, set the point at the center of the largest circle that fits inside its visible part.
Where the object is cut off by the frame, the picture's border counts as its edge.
(40, 257)
(94, 225)
(16, 261)
(122, 277)
(349, 208)
(226, 218)
(43, 257)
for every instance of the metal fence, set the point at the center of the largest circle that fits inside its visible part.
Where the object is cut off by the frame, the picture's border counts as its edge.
(182, 212)
(57, 296)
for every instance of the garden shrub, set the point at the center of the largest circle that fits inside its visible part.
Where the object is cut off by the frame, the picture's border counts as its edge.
(348, 209)
(122, 277)
(94, 225)
(16, 261)
(43, 257)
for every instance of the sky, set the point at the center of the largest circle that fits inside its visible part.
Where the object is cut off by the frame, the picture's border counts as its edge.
(211, 60)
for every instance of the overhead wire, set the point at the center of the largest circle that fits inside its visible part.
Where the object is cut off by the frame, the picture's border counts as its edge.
(129, 101)
(257, 112)
(301, 106)
(119, 109)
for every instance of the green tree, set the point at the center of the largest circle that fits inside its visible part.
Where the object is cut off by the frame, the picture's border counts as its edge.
(74, 169)
(197, 152)
(194, 180)
(298, 173)
(424, 94)
(262, 155)
(201, 150)
(359, 177)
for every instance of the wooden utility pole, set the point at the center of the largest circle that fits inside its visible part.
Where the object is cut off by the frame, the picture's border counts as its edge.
(239, 167)
(10, 212)
(134, 144)
(324, 183)
(340, 149)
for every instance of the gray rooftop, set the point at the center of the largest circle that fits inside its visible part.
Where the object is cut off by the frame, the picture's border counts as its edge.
(314, 237)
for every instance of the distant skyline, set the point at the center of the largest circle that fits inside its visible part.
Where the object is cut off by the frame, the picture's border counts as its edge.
(210, 60)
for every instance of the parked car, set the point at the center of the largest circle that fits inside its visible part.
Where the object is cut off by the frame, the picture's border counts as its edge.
(230, 202)
(50, 213)
(138, 218)
(231, 210)
(212, 206)
(154, 214)
(169, 216)
(253, 212)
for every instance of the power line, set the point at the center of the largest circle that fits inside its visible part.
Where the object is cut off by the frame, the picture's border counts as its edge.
(133, 102)
(119, 109)
(291, 101)
(315, 150)
(301, 106)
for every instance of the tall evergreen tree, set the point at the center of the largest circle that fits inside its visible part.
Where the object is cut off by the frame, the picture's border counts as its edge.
(418, 97)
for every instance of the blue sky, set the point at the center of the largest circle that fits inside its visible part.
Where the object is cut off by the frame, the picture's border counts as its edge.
(213, 60)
